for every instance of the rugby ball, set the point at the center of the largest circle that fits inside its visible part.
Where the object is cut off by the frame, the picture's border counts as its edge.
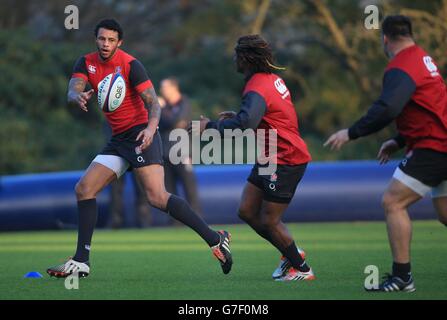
(111, 92)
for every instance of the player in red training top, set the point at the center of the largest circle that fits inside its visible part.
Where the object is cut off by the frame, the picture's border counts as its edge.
(414, 95)
(135, 144)
(267, 104)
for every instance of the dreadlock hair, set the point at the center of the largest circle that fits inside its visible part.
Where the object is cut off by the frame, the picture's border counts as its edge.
(255, 54)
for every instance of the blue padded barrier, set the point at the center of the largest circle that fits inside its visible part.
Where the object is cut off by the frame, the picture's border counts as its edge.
(329, 191)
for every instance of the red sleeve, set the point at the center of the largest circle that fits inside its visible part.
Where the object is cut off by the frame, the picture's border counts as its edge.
(79, 75)
(143, 86)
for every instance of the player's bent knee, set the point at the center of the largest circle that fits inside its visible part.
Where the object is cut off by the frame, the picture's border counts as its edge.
(390, 203)
(84, 191)
(245, 214)
(157, 200)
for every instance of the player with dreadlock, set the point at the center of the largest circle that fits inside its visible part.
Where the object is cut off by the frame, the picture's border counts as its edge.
(267, 104)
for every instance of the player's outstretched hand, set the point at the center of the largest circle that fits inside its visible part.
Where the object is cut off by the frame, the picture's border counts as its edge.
(83, 98)
(203, 122)
(227, 115)
(146, 136)
(337, 140)
(386, 150)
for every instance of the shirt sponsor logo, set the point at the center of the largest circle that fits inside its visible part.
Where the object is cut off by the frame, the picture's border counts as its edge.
(431, 67)
(91, 69)
(282, 89)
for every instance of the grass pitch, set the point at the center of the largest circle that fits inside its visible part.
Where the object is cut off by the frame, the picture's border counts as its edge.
(173, 263)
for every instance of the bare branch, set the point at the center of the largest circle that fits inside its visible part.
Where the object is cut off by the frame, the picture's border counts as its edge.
(260, 18)
(328, 20)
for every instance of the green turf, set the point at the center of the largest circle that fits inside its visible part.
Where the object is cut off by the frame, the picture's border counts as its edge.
(173, 263)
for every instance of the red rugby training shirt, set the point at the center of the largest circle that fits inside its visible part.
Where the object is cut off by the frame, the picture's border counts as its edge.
(414, 94)
(132, 111)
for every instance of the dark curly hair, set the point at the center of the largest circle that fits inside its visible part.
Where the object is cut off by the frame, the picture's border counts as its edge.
(255, 54)
(109, 24)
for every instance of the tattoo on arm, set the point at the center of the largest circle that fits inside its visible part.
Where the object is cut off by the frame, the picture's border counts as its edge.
(151, 104)
(75, 86)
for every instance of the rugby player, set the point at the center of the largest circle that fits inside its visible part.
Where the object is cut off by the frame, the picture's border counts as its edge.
(414, 96)
(135, 144)
(267, 104)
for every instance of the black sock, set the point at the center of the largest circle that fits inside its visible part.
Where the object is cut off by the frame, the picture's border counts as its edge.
(260, 230)
(263, 234)
(180, 210)
(291, 253)
(87, 212)
(402, 270)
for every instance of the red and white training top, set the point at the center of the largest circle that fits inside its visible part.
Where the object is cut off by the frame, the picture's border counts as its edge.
(131, 111)
(280, 115)
(423, 121)
(415, 96)
(267, 105)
